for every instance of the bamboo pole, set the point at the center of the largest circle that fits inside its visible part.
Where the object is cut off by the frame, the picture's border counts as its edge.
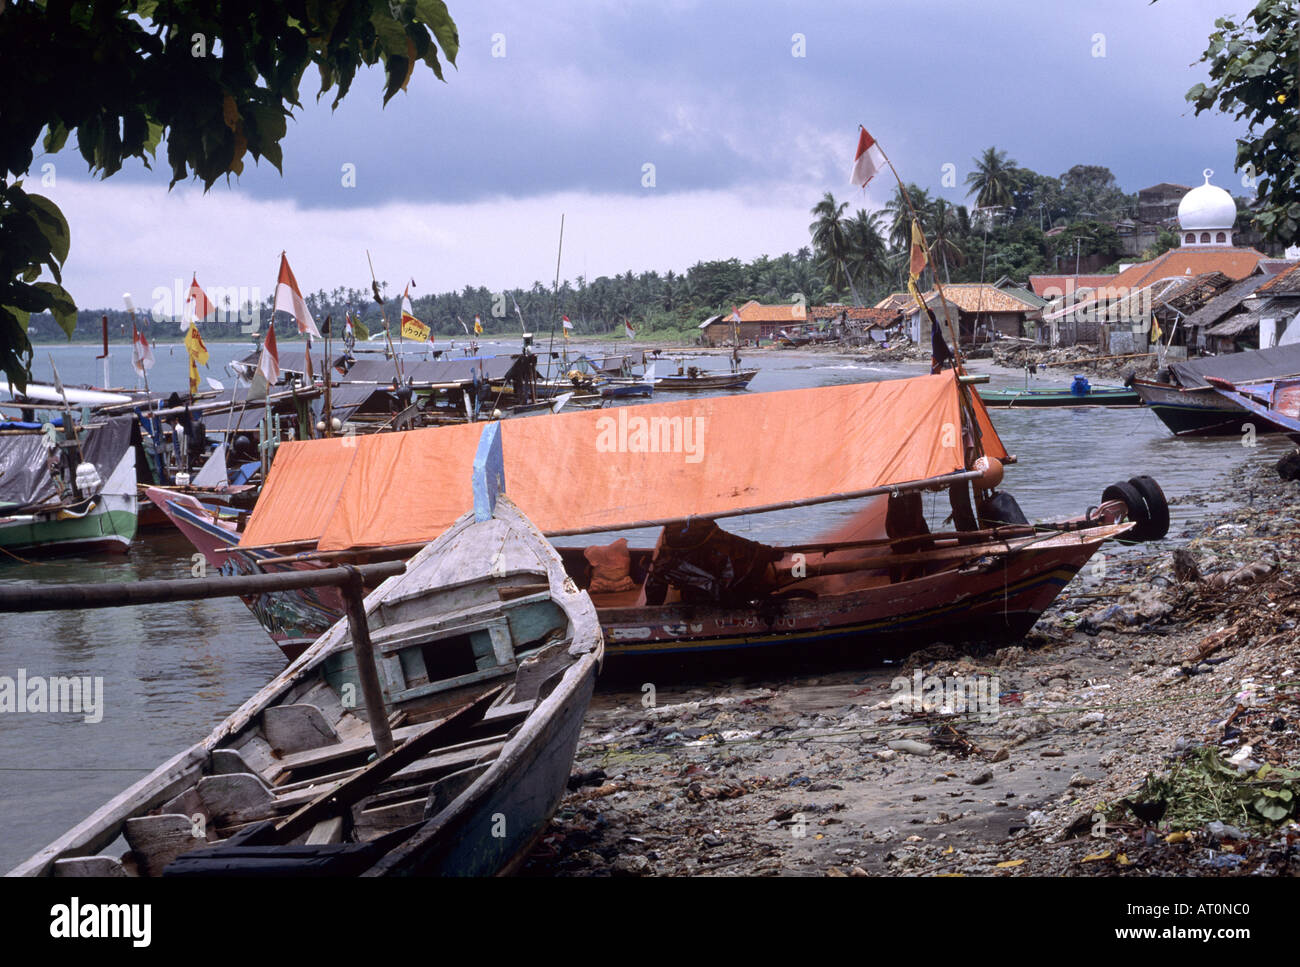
(354, 594)
(20, 598)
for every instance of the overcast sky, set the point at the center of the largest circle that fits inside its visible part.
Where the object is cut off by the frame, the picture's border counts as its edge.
(463, 183)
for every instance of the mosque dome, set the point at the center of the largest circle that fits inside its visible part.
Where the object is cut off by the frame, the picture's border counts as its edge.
(1207, 208)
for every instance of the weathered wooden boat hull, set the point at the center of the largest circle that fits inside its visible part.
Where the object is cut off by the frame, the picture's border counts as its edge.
(998, 601)
(493, 831)
(285, 787)
(1198, 412)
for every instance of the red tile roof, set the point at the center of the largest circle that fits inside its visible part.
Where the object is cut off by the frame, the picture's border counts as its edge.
(752, 311)
(1235, 263)
(1287, 282)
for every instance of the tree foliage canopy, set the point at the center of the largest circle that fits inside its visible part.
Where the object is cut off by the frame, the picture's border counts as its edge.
(216, 79)
(1254, 68)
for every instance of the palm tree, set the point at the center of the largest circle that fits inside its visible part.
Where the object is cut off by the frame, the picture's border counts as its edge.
(830, 241)
(866, 246)
(899, 214)
(993, 179)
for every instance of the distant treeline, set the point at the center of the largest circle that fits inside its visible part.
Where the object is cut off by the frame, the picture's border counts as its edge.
(858, 258)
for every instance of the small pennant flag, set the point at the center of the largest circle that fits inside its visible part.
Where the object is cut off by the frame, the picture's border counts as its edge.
(628, 330)
(198, 353)
(517, 312)
(868, 160)
(203, 306)
(288, 298)
(1155, 331)
(735, 315)
(462, 324)
(478, 325)
(564, 321)
(918, 260)
(268, 366)
(141, 351)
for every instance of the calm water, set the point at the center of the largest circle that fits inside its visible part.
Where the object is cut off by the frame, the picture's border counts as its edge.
(171, 672)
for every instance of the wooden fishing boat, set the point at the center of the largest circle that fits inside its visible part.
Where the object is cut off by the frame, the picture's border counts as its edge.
(68, 497)
(1095, 396)
(482, 656)
(693, 378)
(1188, 403)
(883, 577)
(1275, 403)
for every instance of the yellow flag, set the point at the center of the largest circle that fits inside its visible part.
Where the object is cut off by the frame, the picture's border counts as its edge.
(918, 258)
(198, 354)
(413, 328)
(1155, 330)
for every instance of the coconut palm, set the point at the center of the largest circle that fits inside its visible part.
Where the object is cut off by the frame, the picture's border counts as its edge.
(866, 247)
(946, 226)
(993, 179)
(831, 242)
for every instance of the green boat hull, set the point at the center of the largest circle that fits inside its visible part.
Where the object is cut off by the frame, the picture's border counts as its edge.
(1037, 398)
(103, 529)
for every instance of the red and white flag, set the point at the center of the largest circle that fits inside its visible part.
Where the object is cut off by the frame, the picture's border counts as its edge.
(735, 315)
(628, 330)
(268, 367)
(141, 352)
(203, 306)
(564, 321)
(288, 298)
(869, 160)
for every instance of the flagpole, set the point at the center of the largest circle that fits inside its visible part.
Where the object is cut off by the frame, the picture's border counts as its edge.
(956, 342)
(388, 336)
(556, 308)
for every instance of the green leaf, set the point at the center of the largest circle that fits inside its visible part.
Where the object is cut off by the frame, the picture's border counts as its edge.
(62, 307)
(435, 14)
(52, 225)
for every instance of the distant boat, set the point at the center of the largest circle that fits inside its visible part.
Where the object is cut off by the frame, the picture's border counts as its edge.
(488, 655)
(1089, 396)
(693, 378)
(47, 507)
(1188, 403)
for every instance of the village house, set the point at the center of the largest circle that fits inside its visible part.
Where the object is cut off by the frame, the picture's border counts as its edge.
(981, 312)
(756, 322)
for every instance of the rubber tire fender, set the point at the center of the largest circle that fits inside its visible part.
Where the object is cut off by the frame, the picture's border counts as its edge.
(1157, 507)
(1137, 508)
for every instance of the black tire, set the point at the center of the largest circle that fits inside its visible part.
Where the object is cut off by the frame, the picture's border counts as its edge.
(1157, 508)
(1137, 509)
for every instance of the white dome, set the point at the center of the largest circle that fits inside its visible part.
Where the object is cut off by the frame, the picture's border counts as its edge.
(1207, 208)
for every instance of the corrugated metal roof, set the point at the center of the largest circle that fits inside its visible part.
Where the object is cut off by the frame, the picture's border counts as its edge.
(1225, 303)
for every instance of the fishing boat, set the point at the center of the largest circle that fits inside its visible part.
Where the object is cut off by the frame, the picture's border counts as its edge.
(1079, 393)
(1187, 402)
(476, 664)
(70, 491)
(679, 467)
(1275, 403)
(692, 378)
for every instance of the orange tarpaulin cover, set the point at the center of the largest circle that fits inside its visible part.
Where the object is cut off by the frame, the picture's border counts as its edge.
(617, 467)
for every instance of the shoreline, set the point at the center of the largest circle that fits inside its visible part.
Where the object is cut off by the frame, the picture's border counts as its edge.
(1129, 674)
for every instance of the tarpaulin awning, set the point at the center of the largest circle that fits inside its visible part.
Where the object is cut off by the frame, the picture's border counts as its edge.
(611, 469)
(1259, 364)
(25, 473)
